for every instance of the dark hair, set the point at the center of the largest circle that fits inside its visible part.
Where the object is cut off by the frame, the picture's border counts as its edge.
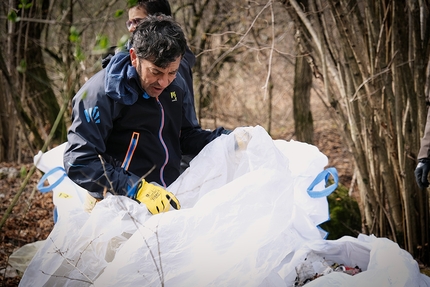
(153, 6)
(159, 39)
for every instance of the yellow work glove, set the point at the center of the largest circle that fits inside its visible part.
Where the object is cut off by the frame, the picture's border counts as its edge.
(156, 198)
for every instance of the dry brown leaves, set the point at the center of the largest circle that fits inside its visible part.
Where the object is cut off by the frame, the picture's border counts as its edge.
(30, 220)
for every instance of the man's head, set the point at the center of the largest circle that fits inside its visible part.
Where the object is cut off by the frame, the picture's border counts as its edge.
(144, 8)
(157, 47)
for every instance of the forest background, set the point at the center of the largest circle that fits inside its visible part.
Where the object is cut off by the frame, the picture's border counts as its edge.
(350, 77)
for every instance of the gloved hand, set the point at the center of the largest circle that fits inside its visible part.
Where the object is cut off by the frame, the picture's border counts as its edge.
(421, 172)
(156, 198)
(242, 136)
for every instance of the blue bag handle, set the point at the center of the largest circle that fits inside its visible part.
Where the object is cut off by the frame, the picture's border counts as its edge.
(44, 189)
(324, 175)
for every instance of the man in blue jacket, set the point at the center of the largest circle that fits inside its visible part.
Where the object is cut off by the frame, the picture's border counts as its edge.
(136, 13)
(129, 125)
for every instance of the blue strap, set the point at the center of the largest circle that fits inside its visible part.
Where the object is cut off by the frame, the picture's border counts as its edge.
(44, 189)
(324, 175)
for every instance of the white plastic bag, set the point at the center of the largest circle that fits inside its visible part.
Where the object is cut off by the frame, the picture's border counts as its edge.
(243, 212)
(82, 245)
(67, 196)
(21, 257)
(234, 236)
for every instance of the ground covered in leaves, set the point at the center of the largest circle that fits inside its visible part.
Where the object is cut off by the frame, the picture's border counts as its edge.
(30, 220)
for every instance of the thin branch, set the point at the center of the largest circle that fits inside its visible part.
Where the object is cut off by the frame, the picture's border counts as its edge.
(355, 97)
(251, 48)
(381, 32)
(57, 250)
(137, 224)
(159, 257)
(54, 22)
(223, 56)
(271, 52)
(106, 175)
(386, 70)
(82, 252)
(317, 41)
(66, 277)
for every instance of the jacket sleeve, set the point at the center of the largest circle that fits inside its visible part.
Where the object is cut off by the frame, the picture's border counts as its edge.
(425, 141)
(185, 69)
(193, 137)
(85, 160)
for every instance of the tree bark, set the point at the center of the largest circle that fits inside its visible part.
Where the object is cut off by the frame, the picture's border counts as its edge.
(374, 56)
(37, 97)
(303, 121)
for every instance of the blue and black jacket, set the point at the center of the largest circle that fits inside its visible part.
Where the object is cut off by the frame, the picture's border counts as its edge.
(119, 133)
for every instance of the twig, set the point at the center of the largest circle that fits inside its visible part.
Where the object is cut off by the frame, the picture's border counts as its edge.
(271, 52)
(353, 180)
(159, 258)
(69, 262)
(199, 186)
(137, 224)
(66, 277)
(240, 40)
(80, 253)
(107, 177)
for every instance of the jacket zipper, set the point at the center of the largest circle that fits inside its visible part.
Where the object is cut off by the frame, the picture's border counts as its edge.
(160, 136)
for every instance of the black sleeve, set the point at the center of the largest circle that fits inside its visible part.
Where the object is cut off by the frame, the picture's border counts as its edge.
(85, 160)
(193, 137)
(108, 56)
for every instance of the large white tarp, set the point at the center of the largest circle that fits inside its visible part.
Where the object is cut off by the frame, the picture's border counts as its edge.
(245, 214)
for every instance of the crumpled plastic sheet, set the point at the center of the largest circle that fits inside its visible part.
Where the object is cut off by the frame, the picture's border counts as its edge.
(244, 215)
(21, 257)
(382, 261)
(238, 220)
(67, 196)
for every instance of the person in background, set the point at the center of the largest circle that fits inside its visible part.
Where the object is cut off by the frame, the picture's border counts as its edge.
(129, 121)
(136, 14)
(423, 167)
(144, 8)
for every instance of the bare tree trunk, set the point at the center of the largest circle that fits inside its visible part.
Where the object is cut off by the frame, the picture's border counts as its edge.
(12, 110)
(37, 96)
(303, 121)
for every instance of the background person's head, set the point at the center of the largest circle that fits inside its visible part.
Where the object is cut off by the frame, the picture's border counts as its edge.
(144, 8)
(157, 47)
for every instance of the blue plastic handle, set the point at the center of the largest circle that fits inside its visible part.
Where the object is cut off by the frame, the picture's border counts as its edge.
(44, 189)
(324, 175)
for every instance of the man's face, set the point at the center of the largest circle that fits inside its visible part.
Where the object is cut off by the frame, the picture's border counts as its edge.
(135, 16)
(153, 78)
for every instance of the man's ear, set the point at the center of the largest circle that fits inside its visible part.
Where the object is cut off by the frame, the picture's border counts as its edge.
(133, 57)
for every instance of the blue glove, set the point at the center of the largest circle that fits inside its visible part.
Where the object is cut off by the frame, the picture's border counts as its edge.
(421, 172)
